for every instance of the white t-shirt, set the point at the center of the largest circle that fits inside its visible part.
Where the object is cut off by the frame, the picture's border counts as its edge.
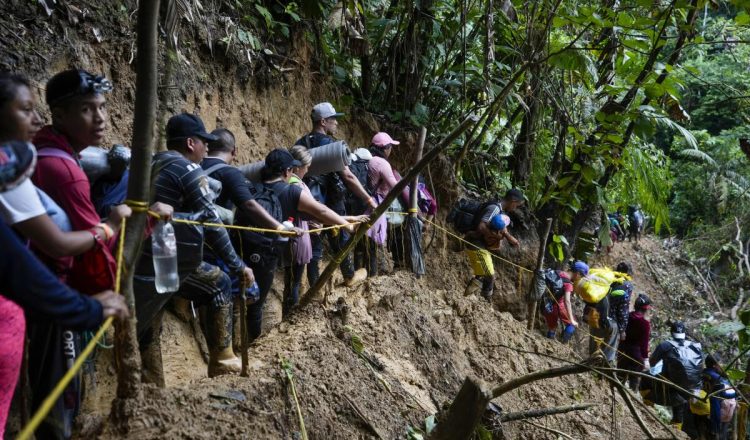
(20, 204)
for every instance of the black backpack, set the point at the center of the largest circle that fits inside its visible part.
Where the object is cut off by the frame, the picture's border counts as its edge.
(683, 364)
(554, 283)
(466, 214)
(354, 205)
(267, 198)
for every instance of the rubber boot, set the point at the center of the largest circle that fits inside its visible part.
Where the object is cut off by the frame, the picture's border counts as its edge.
(222, 359)
(568, 333)
(551, 334)
(150, 346)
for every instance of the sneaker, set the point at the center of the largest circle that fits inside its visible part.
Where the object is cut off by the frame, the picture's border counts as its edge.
(359, 276)
(473, 287)
(17, 163)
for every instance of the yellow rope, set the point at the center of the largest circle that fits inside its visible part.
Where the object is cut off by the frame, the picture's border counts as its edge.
(49, 402)
(477, 247)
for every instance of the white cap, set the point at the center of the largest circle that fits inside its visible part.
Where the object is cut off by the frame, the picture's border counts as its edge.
(324, 110)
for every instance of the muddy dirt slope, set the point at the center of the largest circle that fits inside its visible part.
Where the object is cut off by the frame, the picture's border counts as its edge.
(422, 338)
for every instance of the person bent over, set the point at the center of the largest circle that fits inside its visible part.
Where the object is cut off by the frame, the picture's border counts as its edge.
(486, 238)
(603, 329)
(556, 306)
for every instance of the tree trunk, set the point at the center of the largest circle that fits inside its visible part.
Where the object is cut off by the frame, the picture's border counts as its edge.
(465, 412)
(128, 356)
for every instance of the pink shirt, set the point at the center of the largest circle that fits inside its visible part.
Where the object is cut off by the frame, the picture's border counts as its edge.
(381, 176)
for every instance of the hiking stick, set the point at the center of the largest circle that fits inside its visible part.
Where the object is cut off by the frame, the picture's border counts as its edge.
(381, 209)
(535, 413)
(243, 328)
(531, 311)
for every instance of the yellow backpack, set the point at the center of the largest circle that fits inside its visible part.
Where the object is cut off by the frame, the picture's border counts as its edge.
(595, 286)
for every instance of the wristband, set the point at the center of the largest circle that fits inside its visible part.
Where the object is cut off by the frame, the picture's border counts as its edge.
(94, 233)
(108, 232)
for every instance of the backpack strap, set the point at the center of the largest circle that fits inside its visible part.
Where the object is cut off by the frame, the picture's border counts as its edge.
(215, 168)
(56, 152)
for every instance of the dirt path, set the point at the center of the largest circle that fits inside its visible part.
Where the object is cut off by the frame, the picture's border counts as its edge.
(426, 336)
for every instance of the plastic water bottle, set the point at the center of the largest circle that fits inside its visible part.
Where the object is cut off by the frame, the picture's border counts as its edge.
(164, 250)
(252, 293)
(288, 225)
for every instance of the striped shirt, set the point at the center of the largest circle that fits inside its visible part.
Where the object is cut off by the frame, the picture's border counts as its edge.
(183, 184)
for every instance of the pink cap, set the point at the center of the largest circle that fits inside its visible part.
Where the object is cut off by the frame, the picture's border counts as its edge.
(383, 139)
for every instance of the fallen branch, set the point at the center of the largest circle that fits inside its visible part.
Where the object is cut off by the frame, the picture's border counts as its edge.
(364, 418)
(566, 370)
(656, 277)
(706, 283)
(624, 394)
(554, 431)
(535, 413)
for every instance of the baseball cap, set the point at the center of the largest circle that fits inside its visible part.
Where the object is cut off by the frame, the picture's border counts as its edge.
(643, 302)
(499, 222)
(17, 163)
(514, 194)
(280, 159)
(383, 139)
(678, 330)
(324, 110)
(185, 125)
(580, 267)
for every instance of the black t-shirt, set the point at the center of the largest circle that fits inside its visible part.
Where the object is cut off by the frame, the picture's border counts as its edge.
(234, 185)
(288, 197)
(314, 140)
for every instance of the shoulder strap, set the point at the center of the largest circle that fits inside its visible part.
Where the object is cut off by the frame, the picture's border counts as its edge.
(215, 168)
(56, 152)
(307, 141)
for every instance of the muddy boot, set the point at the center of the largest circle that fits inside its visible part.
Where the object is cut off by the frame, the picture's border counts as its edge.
(151, 361)
(359, 276)
(222, 359)
(474, 286)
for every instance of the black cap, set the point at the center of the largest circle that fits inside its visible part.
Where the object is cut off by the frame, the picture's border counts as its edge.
(515, 195)
(185, 125)
(678, 330)
(280, 159)
(623, 267)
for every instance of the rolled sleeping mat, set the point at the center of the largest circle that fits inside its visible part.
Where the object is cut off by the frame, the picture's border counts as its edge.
(325, 159)
(99, 162)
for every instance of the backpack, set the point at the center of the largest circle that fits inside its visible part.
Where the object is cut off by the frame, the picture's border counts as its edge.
(226, 215)
(682, 365)
(267, 198)
(728, 401)
(554, 282)
(425, 200)
(466, 214)
(354, 205)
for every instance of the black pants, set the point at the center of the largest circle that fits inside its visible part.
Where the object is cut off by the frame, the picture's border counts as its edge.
(52, 351)
(263, 263)
(366, 255)
(336, 242)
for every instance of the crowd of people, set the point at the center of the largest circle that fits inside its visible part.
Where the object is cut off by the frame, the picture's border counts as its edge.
(676, 374)
(61, 222)
(60, 228)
